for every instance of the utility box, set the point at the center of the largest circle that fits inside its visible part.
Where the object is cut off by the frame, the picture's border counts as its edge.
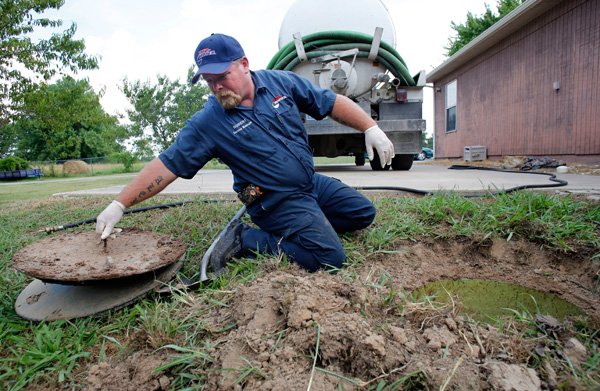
(475, 152)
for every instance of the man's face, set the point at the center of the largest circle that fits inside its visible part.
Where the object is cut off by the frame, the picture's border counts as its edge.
(229, 86)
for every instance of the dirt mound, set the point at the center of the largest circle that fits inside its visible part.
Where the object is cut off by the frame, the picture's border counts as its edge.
(282, 318)
(285, 319)
(135, 373)
(76, 167)
(358, 329)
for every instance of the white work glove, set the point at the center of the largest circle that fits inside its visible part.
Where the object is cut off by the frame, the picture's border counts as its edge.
(106, 221)
(375, 138)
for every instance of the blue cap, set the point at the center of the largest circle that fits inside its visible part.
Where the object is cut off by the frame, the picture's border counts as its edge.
(215, 54)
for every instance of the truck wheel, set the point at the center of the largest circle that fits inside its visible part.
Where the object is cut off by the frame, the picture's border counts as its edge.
(359, 160)
(402, 162)
(376, 165)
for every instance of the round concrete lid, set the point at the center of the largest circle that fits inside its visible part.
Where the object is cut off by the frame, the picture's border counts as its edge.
(79, 258)
(47, 301)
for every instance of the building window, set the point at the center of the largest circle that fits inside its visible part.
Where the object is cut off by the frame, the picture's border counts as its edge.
(451, 106)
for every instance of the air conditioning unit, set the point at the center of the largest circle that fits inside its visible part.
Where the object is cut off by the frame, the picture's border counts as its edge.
(475, 152)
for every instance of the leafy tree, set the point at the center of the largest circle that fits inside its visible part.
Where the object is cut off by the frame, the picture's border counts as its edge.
(13, 163)
(65, 121)
(475, 25)
(24, 61)
(8, 139)
(160, 110)
(127, 159)
(426, 140)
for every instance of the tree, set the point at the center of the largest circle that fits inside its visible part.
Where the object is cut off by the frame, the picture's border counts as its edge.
(65, 121)
(23, 61)
(160, 110)
(8, 139)
(426, 140)
(475, 25)
(127, 159)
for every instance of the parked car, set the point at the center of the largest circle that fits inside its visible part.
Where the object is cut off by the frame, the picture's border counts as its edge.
(426, 153)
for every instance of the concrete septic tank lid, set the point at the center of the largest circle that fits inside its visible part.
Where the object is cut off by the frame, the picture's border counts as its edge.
(48, 301)
(80, 258)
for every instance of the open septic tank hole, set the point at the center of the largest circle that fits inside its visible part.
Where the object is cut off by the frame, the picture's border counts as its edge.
(486, 300)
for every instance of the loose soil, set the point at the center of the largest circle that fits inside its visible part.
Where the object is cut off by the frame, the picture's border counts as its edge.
(82, 257)
(364, 333)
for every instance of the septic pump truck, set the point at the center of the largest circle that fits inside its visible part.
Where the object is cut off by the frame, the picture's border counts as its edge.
(350, 50)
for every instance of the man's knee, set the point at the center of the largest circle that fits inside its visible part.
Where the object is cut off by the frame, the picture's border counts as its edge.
(333, 259)
(364, 216)
(320, 250)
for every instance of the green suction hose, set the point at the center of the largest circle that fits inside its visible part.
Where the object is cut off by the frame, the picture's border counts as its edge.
(321, 43)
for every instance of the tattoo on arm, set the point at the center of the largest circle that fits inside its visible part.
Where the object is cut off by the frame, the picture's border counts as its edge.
(142, 194)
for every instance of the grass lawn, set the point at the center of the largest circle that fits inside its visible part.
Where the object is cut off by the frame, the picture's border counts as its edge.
(186, 333)
(33, 189)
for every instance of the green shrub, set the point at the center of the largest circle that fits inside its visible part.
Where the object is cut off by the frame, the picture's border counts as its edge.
(13, 163)
(127, 159)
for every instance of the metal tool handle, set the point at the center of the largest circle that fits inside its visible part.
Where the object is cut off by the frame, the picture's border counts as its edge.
(204, 265)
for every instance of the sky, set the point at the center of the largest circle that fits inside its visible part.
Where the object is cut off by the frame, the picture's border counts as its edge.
(138, 39)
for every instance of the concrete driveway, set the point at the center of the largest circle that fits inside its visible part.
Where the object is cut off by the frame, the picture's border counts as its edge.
(423, 176)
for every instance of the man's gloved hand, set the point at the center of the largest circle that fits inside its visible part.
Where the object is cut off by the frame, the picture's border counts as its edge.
(375, 138)
(106, 221)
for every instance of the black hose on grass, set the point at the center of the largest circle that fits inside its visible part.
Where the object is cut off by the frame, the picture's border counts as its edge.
(127, 212)
(553, 178)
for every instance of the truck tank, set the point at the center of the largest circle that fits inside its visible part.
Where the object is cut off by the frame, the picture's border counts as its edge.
(349, 47)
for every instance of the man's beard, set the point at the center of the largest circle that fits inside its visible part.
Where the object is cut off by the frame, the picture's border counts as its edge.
(228, 99)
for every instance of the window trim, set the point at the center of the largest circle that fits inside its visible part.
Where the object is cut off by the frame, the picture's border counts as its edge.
(447, 106)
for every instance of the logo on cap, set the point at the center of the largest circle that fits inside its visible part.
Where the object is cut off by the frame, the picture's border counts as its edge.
(203, 53)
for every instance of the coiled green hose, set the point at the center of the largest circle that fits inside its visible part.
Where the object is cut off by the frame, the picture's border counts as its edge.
(321, 43)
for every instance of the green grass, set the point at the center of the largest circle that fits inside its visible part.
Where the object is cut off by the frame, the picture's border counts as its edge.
(36, 189)
(54, 354)
(560, 223)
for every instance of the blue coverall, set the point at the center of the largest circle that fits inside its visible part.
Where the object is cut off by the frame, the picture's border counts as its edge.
(301, 212)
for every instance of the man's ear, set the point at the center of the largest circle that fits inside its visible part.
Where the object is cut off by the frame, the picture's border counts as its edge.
(245, 63)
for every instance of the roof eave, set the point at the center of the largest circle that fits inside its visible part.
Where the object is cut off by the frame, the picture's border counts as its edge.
(512, 22)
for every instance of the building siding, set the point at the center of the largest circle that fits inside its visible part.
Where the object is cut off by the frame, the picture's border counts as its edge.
(506, 100)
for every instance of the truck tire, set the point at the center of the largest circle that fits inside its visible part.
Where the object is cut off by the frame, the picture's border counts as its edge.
(402, 162)
(359, 160)
(376, 165)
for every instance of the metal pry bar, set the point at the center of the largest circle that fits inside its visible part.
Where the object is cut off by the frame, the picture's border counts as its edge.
(204, 265)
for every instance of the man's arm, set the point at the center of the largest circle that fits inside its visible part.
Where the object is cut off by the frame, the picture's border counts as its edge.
(153, 178)
(348, 113)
